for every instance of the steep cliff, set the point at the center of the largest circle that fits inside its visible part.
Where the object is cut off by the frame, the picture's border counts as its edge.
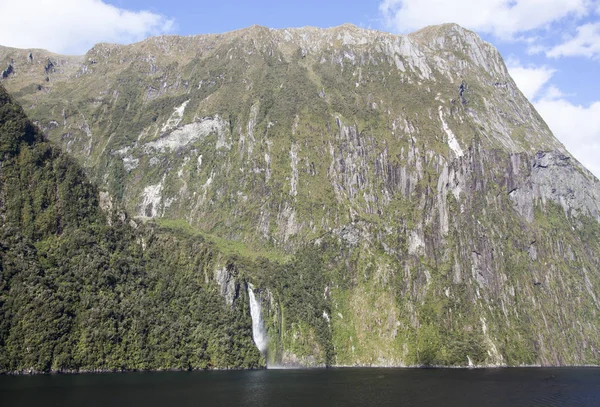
(433, 217)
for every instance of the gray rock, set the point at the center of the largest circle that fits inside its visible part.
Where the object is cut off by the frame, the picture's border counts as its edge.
(225, 277)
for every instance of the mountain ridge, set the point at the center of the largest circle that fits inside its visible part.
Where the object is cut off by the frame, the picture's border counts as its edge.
(438, 218)
(304, 37)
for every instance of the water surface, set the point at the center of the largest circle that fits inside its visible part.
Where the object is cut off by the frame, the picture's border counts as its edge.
(570, 387)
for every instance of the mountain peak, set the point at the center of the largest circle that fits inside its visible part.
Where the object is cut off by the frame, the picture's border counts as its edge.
(435, 215)
(442, 29)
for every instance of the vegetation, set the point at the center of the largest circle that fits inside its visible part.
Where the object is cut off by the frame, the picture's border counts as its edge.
(78, 292)
(330, 184)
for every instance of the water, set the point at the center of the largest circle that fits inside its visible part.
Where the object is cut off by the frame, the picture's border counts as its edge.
(531, 387)
(259, 334)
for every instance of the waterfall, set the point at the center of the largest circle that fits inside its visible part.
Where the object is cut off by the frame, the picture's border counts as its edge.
(259, 333)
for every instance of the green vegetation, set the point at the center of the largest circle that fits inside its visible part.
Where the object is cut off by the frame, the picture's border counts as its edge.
(300, 327)
(329, 182)
(78, 293)
(230, 248)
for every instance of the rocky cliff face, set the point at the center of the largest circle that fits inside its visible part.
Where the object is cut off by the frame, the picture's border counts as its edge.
(448, 220)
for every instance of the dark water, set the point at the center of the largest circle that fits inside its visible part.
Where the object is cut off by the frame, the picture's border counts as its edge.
(314, 388)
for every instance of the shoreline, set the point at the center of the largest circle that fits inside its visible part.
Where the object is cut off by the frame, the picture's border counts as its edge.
(105, 371)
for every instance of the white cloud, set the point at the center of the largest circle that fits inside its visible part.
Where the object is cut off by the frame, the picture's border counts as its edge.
(552, 92)
(503, 18)
(536, 49)
(585, 43)
(74, 26)
(576, 126)
(530, 80)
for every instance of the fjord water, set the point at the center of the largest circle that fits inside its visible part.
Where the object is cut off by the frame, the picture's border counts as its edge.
(570, 387)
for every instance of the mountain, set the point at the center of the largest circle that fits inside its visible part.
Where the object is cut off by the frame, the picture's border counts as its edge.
(395, 200)
(86, 290)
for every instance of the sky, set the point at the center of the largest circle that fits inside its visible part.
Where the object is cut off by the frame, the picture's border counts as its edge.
(551, 47)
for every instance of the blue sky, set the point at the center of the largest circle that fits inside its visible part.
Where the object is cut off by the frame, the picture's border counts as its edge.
(227, 15)
(552, 47)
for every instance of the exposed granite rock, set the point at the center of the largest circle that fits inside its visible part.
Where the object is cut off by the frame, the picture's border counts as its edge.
(49, 67)
(226, 278)
(7, 72)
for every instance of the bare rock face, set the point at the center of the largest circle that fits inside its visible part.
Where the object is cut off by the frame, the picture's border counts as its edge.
(230, 288)
(463, 225)
(556, 178)
(9, 70)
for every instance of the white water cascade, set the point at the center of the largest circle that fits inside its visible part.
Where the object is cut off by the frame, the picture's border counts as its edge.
(259, 334)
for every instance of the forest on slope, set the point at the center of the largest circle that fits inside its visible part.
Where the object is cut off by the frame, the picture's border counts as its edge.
(86, 290)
